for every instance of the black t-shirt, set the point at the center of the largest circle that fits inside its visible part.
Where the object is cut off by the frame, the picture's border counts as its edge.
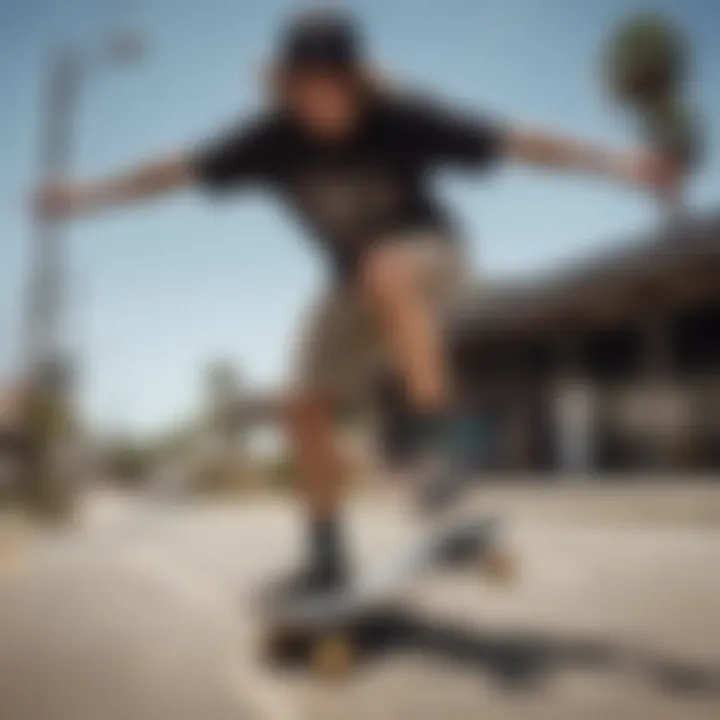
(363, 189)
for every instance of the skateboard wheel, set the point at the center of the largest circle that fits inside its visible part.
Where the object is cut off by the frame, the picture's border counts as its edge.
(332, 656)
(500, 567)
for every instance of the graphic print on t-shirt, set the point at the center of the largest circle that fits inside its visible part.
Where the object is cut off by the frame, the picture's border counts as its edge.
(346, 203)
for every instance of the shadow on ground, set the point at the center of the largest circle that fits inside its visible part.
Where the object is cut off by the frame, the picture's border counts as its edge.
(520, 661)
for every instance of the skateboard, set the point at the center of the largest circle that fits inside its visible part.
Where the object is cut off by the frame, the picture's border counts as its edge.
(324, 626)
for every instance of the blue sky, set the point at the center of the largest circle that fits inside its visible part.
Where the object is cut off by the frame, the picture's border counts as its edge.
(161, 289)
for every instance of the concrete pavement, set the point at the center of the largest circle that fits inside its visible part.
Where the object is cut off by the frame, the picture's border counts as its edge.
(143, 613)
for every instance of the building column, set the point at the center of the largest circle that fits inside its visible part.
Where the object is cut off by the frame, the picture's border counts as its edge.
(658, 366)
(573, 411)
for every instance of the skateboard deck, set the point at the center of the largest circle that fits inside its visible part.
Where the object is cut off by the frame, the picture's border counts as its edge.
(326, 620)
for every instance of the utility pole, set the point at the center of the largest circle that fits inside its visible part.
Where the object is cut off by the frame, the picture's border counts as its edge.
(47, 365)
(49, 480)
(47, 287)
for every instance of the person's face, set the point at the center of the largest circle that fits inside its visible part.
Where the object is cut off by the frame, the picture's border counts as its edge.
(325, 102)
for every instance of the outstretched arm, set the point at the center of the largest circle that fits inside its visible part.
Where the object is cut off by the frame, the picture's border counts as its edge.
(244, 154)
(448, 136)
(650, 170)
(65, 199)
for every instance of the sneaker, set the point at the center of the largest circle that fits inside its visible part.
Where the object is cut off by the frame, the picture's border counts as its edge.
(308, 583)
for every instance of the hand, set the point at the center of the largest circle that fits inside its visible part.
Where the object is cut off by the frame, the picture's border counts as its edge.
(656, 172)
(58, 201)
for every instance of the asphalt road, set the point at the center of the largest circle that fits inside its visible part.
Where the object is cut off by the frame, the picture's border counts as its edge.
(142, 613)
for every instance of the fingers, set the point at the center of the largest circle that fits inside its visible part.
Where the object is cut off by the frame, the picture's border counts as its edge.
(42, 203)
(666, 174)
(656, 172)
(52, 202)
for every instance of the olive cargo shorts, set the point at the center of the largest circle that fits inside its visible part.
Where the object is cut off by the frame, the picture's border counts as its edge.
(342, 350)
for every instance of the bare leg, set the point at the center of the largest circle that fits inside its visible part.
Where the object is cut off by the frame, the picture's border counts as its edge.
(311, 431)
(319, 462)
(411, 325)
(395, 282)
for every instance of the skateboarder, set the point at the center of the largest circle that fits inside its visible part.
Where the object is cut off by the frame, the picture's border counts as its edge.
(354, 160)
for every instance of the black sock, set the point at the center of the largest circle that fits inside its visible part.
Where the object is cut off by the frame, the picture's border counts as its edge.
(327, 553)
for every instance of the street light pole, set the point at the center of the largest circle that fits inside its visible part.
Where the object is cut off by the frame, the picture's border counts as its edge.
(47, 292)
(46, 364)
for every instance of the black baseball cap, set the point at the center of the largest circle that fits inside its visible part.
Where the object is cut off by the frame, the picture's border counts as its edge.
(327, 40)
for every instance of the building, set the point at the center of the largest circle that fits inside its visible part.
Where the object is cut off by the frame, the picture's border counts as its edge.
(610, 364)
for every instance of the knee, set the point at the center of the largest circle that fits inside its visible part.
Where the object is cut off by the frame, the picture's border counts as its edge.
(386, 271)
